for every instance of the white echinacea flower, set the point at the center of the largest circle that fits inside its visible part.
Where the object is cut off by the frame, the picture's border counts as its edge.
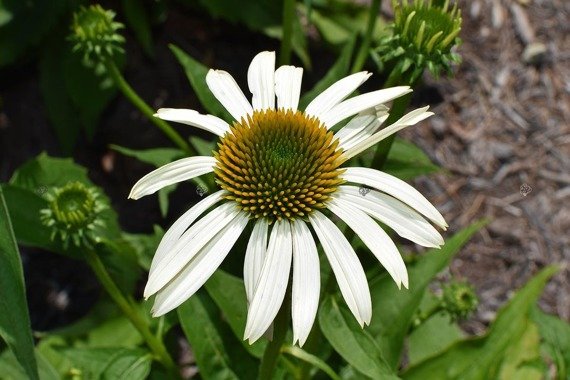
(280, 168)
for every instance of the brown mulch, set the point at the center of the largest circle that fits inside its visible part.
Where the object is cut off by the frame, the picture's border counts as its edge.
(503, 135)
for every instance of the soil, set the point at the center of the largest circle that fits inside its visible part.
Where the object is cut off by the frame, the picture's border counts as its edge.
(501, 133)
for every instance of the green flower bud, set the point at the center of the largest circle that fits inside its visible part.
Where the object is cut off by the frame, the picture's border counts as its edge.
(95, 34)
(459, 299)
(73, 213)
(424, 33)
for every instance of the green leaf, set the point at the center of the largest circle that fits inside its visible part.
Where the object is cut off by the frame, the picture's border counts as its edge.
(109, 363)
(10, 369)
(337, 71)
(145, 245)
(207, 344)
(394, 309)
(138, 21)
(196, 73)
(313, 360)
(406, 161)
(228, 292)
(155, 156)
(351, 341)
(25, 24)
(522, 358)
(481, 358)
(555, 334)
(15, 328)
(203, 147)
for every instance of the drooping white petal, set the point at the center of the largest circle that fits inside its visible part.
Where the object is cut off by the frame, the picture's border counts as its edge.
(288, 86)
(254, 256)
(177, 229)
(189, 244)
(208, 123)
(199, 270)
(336, 93)
(407, 120)
(374, 237)
(272, 283)
(362, 126)
(359, 103)
(227, 91)
(396, 188)
(306, 282)
(174, 172)
(260, 80)
(346, 267)
(404, 220)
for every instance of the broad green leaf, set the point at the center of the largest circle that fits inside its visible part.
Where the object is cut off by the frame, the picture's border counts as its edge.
(10, 369)
(109, 363)
(155, 156)
(313, 360)
(522, 358)
(393, 309)
(228, 292)
(145, 245)
(337, 71)
(432, 336)
(203, 147)
(555, 334)
(25, 24)
(351, 341)
(15, 327)
(481, 358)
(407, 161)
(196, 73)
(138, 21)
(207, 344)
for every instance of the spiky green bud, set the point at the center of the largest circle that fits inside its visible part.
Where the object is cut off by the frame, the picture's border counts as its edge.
(459, 299)
(94, 33)
(424, 33)
(73, 213)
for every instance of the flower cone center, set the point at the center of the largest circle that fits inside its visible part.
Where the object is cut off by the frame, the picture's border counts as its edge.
(278, 164)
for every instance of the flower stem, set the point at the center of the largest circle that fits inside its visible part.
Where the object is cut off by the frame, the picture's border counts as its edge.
(128, 91)
(362, 54)
(288, 17)
(273, 349)
(126, 306)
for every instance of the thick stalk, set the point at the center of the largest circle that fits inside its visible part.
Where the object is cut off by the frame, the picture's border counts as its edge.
(362, 54)
(129, 310)
(287, 24)
(130, 94)
(273, 349)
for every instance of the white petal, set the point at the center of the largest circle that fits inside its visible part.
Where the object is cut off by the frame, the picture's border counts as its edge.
(336, 93)
(374, 237)
(199, 270)
(260, 80)
(407, 120)
(272, 283)
(174, 172)
(177, 229)
(306, 282)
(346, 267)
(227, 91)
(254, 256)
(189, 244)
(288, 86)
(359, 103)
(208, 123)
(405, 221)
(396, 188)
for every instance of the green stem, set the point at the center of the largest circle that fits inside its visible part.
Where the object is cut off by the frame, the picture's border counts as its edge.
(288, 17)
(425, 316)
(156, 346)
(273, 349)
(362, 54)
(128, 91)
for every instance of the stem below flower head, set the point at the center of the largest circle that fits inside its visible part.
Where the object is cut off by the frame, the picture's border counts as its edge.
(127, 307)
(287, 24)
(273, 349)
(365, 46)
(128, 91)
